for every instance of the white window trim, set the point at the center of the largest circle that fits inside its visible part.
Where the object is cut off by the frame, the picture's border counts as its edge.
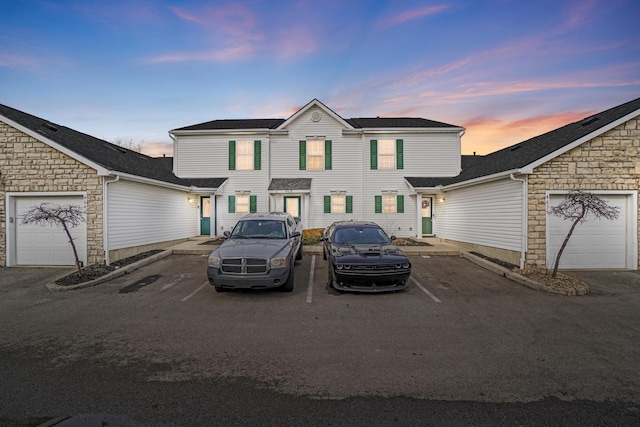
(386, 156)
(321, 142)
(240, 158)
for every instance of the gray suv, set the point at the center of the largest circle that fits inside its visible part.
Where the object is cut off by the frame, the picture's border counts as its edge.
(259, 253)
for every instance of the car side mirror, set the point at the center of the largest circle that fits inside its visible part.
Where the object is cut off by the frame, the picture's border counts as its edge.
(295, 234)
(226, 234)
(393, 238)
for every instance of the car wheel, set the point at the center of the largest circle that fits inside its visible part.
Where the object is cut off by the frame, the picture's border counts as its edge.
(288, 285)
(324, 253)
(299, 254)
(220, 289)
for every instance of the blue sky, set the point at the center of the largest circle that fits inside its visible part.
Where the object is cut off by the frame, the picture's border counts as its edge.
(506, 70)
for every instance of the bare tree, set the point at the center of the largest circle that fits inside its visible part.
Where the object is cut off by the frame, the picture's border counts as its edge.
(67, 217)
(128, 143)
(576, 206)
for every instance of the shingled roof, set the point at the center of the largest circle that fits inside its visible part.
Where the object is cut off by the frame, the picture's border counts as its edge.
(110, 156)
(528, 152)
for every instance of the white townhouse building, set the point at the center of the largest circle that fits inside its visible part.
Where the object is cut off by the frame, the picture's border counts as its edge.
(320, 168)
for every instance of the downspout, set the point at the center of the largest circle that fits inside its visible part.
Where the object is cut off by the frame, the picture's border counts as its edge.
(105, 218)
(523, 248)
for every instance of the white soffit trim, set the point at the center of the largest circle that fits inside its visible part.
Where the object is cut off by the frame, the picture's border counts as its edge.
(530, 167)
(101, 170)
(314, 103)
(150, 181)
(482, 179)
(403, 130)
(260, 132)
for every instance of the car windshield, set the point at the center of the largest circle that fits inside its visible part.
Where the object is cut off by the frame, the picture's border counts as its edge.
(360, 236)
(262, 229)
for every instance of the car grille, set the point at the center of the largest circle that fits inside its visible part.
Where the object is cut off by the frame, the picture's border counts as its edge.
(244, 265)
(374, 267)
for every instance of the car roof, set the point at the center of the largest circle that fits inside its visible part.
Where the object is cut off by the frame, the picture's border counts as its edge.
(355, 224)
(279, 216)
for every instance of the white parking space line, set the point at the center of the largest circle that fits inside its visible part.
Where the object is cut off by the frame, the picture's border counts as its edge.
(433, 297)
(311, 274)
(179, 278)
(194, 292)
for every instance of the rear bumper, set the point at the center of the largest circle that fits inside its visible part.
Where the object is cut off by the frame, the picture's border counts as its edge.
(275, 278)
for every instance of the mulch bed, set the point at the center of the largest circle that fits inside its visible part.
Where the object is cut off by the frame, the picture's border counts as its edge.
(566, 285)
(217, 241)
(94, 271)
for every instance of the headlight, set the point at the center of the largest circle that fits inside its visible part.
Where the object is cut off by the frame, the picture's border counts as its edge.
(339, 266)
(398, 265)
(214, 261)
(278, 262)
(406, 265)
(347, 266)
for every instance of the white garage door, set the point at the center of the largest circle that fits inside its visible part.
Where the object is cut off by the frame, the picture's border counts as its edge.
(594, 244)
(45, 244)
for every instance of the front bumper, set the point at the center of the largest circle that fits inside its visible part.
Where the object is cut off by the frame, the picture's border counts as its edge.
(369, 282)
(273, 279)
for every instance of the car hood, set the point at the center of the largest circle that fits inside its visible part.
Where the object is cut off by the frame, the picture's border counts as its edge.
(252, 248)
(366, 251)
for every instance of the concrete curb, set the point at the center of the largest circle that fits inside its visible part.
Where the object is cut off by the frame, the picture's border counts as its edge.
(518, 278)
(52, 287)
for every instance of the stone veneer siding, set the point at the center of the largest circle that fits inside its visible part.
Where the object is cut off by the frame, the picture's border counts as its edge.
(28, 165)
(607, 162)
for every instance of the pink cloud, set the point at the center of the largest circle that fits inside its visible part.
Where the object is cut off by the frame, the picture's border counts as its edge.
(409, 15)
(237, 53)
(17, 61)
(580, 12)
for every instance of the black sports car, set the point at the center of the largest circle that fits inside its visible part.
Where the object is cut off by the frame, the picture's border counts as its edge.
(363, 259)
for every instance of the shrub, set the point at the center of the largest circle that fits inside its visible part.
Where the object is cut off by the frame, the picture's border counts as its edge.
(311, 235)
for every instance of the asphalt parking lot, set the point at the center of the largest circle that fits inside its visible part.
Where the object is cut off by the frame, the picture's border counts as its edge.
(459, 332)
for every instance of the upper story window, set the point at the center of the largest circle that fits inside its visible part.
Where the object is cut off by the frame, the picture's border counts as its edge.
(245, 155)
(315, 154)
(387, 154)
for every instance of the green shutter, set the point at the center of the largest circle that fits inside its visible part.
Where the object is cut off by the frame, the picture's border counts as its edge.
(232, 155)
(253, 204)
(349, 207)
(399, 154)
(400, 204)
(374, 154)
(257, 155)
(303, 155)
(232, 204)
(327, 155)
(378, 204)
(327, 204)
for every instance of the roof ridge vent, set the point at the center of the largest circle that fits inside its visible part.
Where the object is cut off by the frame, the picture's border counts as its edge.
(589, 120)
(512, 149)
(50, 126)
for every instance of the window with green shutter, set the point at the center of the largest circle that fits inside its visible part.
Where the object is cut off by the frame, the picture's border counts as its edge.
(253, 204)
(399, 154)
(327, 204)
(257, 155)
(378, 204)
(374, 154)
(303, 155)
(400, 204)
(349, 204)
(327, 155)
(232, 204)
(232, 155)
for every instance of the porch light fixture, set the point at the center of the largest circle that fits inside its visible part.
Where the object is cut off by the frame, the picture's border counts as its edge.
(193, 201)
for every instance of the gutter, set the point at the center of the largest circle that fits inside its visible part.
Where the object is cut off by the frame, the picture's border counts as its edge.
(523, 246)
(105, 218)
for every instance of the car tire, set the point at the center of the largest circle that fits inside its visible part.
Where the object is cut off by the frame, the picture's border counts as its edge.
(220, 289)
(299, 254)
(288, 285)
(324, 254)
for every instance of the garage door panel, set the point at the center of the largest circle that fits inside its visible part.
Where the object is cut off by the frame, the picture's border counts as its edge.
(46, 244)
(594, 243)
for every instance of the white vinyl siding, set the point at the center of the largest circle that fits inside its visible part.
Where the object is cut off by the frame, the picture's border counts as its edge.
(141, 214)
(487, 214)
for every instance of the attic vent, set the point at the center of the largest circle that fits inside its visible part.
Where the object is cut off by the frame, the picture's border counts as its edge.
(116, 148)
(316, 116)
(50, 126)
(590, 120)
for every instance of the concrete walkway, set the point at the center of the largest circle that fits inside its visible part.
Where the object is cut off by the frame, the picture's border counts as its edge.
(194, 246)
